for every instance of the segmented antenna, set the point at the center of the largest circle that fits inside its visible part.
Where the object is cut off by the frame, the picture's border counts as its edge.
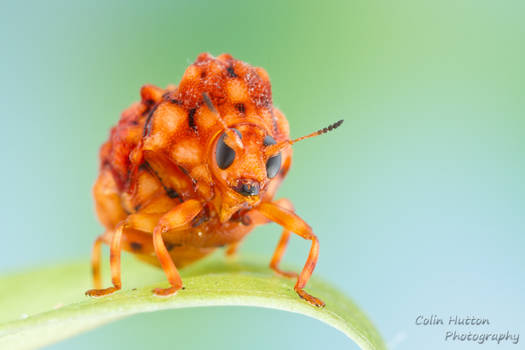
(322, 131)
(274, 149)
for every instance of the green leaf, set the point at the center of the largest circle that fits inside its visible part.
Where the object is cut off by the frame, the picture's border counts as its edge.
(45, 305)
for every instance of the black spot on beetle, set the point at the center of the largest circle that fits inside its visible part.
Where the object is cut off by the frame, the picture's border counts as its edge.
(171, 192)
(186, 172)
(170, 246)
(240, 107)
(231, 72)
(200, 220)
(135, 246)
(147, 124)
(191, 119)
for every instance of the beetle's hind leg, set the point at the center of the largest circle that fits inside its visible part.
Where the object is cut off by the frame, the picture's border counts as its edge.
(114, 258)
(95, 261)
(124, 237)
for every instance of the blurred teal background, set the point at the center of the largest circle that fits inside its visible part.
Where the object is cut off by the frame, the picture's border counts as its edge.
(418, 200)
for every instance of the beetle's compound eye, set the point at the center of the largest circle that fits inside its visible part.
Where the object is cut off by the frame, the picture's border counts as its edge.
(274, 163)
(225, 154)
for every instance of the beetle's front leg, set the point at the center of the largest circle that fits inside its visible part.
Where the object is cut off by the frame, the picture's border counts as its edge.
(291, 222)
(283, 243)
(278, 255)
(178, 218)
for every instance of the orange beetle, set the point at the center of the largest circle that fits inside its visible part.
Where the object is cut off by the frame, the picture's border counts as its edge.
(195, 167)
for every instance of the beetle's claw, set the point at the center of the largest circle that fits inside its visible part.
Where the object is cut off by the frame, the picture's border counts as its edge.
(309, 298)
(166, 292)
(97, 293)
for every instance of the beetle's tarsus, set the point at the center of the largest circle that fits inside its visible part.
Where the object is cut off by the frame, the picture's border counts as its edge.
(310, 298)
(97, 293)
(166, 292)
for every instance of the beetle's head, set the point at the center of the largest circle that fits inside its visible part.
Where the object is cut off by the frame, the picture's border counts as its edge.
(241, 166)
(244, 159)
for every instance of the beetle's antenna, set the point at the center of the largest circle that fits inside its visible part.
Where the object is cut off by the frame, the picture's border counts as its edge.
(231, 134)
(320, 132)
(273, 149)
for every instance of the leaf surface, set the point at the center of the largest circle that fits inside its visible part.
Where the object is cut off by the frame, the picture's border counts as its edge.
(44, 305)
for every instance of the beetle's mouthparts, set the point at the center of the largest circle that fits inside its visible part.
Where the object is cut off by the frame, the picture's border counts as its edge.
(247, 187)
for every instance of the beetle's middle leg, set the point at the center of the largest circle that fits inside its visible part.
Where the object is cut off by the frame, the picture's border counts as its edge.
(114, 257)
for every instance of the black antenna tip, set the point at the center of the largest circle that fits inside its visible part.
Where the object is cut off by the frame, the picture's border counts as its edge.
(336, 124)
(332, 126)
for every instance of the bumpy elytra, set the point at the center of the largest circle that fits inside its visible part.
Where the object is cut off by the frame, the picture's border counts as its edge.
(195, 167)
